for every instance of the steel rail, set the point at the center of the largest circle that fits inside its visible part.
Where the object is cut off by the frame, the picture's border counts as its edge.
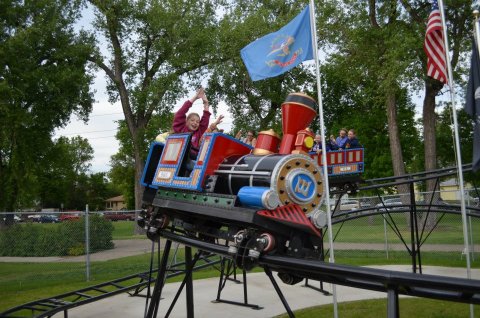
(419, 285)
(47, 307)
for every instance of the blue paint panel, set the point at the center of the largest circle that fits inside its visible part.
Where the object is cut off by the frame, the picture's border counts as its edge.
(303, 187)
(156, 148)
(197, 186)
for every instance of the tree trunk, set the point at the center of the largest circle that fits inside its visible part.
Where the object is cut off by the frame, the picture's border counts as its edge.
(139, 164)
(396, 148)
(432, 87)
(394, 138)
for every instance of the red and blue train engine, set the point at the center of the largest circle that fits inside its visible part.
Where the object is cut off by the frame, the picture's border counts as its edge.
(265, 199)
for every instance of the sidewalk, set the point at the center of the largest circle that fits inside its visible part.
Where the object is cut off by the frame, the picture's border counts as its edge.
(124, 248)
(260, 292)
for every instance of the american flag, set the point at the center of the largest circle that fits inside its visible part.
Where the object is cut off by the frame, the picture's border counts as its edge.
(435, 46)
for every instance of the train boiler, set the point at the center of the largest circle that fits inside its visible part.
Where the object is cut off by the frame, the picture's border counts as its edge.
(265, 199)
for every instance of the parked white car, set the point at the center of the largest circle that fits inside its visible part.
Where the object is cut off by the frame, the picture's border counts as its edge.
(347, 205)
(389, 204)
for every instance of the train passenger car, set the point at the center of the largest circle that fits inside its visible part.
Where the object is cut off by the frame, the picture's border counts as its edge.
(345, 168)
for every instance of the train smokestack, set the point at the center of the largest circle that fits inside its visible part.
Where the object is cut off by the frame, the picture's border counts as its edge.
(298, 111)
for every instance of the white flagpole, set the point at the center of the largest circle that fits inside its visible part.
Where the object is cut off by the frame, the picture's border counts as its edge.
(457, 146)
(324, 150)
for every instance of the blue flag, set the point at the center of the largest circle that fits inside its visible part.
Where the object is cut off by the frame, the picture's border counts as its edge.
(472, 105)
(278, 52)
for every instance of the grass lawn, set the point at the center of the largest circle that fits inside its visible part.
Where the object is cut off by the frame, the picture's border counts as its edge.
(124, 230)
(409, 307)
(24, 282)
(372, 230)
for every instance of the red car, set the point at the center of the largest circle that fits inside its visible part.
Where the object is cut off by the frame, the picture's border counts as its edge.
(119, 216)
(69, 217)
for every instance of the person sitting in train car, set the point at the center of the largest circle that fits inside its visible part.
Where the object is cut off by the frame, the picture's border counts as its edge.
(249, 140)
(212, 128)
(317, 145)
(193, 123)
(339, 142)
(352, 141)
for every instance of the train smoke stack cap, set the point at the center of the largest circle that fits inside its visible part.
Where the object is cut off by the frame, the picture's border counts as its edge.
(298, 111)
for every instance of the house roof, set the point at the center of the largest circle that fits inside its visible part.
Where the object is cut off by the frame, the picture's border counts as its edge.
(115, 199)
(449, 182)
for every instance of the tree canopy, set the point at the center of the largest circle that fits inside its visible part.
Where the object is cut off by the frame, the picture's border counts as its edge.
(44, 78)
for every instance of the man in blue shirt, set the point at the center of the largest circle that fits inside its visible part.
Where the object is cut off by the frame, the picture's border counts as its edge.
(339, 143)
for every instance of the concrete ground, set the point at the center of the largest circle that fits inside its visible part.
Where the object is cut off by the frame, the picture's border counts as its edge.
(260, 292)
(260, 289)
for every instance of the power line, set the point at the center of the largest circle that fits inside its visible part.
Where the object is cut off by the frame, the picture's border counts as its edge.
(106, 114)
(88, 132)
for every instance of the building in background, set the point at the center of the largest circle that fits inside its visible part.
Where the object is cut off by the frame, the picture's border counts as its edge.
(115, 204)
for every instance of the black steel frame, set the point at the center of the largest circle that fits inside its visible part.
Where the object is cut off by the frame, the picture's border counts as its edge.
(391, 282)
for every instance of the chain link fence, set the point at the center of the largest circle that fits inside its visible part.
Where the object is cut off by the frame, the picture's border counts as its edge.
(67, 251)
(394, 228)
(76, 249)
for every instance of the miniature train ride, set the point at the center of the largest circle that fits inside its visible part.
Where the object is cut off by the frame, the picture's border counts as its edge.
(259, 200)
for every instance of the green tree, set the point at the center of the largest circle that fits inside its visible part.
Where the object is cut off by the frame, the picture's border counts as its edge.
(43, 80)
(446, 154)
(99, 189)
(154, 48)
(62, 176)
(122, 172)
(459, 22)
(254, 105)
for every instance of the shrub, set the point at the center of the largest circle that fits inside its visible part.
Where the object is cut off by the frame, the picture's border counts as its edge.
(67, 238)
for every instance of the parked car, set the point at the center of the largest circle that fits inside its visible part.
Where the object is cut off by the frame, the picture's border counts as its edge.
(119, 216)
(349, 205)
(33, 218)
(389, 205)
(69, 217)
(346, 205)
(16, 219)
(365, 205)
(49, 218)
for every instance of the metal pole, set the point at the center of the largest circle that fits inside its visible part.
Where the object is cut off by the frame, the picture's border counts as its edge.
(476, 14)
(87, 244)
(189, 283)
(385, 234)
(324, 149)
(471, 238)
(457, 145)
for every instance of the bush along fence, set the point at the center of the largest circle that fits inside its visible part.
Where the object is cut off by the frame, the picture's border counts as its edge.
(63, 239)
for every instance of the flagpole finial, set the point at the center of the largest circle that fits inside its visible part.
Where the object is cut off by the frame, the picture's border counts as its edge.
(476, 8)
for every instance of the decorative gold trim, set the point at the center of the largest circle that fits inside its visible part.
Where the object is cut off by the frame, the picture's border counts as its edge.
(269, 132)
(299, 152)
(303, 95)
(261, 152)
(305, 163)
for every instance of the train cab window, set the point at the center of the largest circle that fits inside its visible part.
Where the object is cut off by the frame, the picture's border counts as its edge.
(188, 162)
(172, 153)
